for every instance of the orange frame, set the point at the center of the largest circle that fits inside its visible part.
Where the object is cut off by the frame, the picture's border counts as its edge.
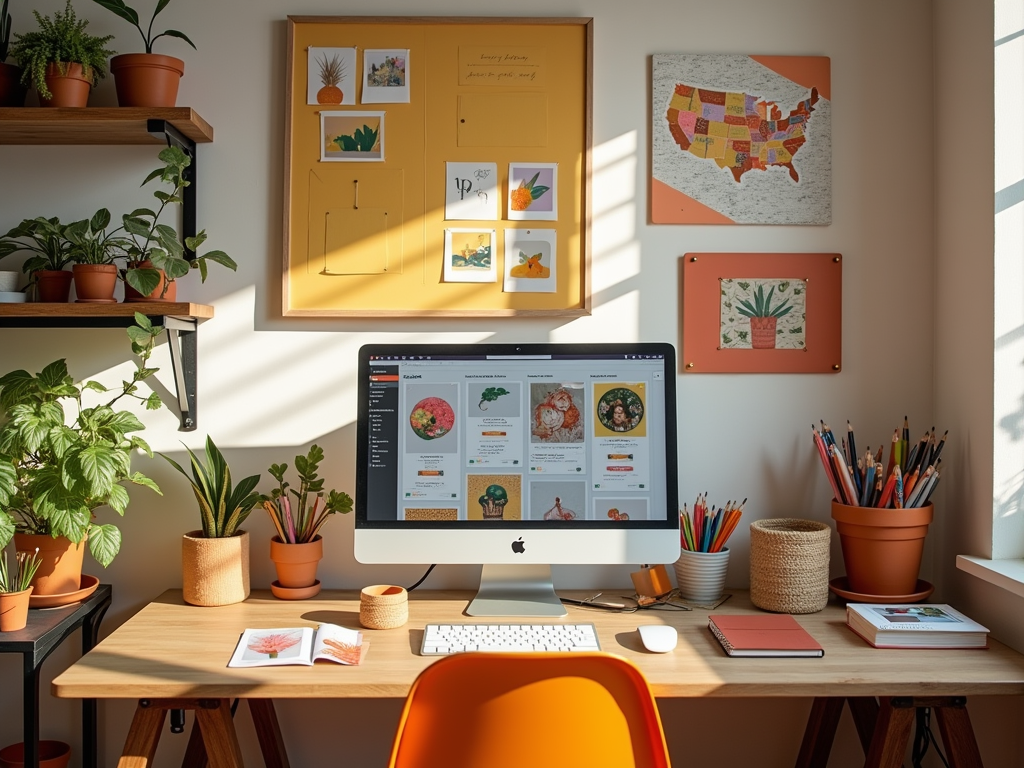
(701, 273)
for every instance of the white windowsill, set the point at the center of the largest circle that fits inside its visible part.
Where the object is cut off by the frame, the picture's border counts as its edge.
(1008, 574)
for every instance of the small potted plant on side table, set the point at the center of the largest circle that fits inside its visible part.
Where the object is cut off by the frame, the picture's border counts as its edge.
(44, 239)
(62, 60)
(145, 79)
(297, 547)
(215, 559)
(12, 92)
(93, 252)
(15, 589)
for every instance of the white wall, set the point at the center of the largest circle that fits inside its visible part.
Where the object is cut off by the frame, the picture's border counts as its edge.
(270, 386)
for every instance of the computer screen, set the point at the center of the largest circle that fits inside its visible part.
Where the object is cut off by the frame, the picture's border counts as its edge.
(516, 457)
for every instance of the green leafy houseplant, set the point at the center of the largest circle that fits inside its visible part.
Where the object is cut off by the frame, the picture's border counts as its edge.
(762, 306)
(60, 460)
(25, 566)
(302, 523)
(222, 507)
(90, 243)
(44, 239)
(61, 40)
(130, 15)
(159, 243)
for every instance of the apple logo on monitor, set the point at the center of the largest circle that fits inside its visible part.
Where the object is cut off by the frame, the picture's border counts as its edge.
(518, 546)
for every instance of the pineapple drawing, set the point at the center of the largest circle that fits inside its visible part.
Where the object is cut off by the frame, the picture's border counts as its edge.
(524, 195)
(331, 73)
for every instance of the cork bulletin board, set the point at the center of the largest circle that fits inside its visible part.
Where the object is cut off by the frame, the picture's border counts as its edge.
(437, 166)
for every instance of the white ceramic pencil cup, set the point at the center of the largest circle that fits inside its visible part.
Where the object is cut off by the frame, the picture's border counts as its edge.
(700, 576)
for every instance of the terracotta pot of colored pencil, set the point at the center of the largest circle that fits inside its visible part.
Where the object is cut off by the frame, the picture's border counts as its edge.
(789, 565)
(882, 548)
(700, 576)
(296, 564)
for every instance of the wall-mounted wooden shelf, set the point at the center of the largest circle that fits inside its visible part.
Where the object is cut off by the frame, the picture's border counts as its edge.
(180, 319)
(99, 125)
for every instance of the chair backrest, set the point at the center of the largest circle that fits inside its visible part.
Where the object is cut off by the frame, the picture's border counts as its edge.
(509, 710)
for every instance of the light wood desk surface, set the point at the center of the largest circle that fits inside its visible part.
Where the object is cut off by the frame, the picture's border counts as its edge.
(173, 650)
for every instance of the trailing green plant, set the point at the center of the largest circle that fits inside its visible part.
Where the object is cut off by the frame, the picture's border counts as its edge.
(61, 40)
(60, 460)
(222, 508)
(160, 243)
(762, 306)
(130, 15)
(90, 243)
(302, 523)
(44, 239)
(25, 566)
(5, 32)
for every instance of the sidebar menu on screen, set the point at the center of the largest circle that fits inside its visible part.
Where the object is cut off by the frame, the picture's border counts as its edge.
(382, 477)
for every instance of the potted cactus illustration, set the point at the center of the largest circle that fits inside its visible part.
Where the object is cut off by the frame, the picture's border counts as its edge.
(763, 317)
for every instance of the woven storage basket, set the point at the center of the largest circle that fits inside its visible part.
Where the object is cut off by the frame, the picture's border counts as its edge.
(215, 571)
(789, 565)
(383, 606)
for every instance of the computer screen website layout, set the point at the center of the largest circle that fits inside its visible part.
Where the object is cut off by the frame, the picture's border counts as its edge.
(517, 439)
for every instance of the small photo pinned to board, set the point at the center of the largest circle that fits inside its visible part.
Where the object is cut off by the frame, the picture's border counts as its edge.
(533, 191)
(530, 259)
(469, 256)
(331, 76)
(356, 137)
(471, 191)
(386, 76)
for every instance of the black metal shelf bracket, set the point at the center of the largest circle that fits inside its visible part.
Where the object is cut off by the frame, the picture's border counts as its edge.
(189, 208)
(182, 341)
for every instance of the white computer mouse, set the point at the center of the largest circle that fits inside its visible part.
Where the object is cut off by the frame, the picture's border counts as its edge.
(658, 638)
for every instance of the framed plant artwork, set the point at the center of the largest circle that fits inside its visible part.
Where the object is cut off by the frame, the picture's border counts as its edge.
(533, 191)
(762, 313)
(352, 137)
(331, 76)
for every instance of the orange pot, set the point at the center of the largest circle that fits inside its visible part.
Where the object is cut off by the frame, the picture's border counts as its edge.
(882, 548)
(54, 285)
(146, 79)
(170, 295)
(94, 283)
(762, 332)
(52, 754)
(70, 89)
(14, 610)
(12, 92)
(60, 566)
(296, 564)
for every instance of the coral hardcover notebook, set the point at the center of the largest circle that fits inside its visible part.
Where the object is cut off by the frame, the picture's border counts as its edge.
(768, 634)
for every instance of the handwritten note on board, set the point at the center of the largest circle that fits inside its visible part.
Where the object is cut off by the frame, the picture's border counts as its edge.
(515, 66)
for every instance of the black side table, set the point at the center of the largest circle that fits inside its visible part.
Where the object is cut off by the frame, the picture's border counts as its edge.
(47, 628)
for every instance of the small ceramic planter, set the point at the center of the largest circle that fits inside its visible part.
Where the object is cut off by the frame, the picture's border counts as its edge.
(60, 562)
(54, 285)
(94, 283)
(146, 79)
(215, 571)
(52, 754)
(14, 610)
(296, 564)
(69, 89)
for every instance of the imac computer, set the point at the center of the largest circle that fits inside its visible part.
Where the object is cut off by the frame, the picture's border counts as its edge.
(517, 457)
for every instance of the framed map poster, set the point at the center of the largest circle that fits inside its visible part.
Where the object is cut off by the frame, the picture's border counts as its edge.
(741, 139)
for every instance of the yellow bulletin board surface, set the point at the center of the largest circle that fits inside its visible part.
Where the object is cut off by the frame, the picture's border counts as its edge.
(367, 239)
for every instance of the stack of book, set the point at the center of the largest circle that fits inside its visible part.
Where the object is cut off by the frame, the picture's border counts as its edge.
(915, 626)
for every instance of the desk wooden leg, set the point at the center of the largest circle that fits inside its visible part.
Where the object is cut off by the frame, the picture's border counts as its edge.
(268, 730)
(892, 732)
(219, 735)
(820, 732)
(958, 735)
(865, 714)
(143, 736)
(195, 752)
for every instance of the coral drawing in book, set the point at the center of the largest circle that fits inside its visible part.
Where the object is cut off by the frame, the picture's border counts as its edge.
(273, 645)
(741, 139)
(763, 314)
(557, 413)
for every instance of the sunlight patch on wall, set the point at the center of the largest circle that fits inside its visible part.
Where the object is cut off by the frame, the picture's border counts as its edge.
(614, 321)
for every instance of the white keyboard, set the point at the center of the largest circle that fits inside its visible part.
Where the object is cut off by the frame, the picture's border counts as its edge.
(443, 639)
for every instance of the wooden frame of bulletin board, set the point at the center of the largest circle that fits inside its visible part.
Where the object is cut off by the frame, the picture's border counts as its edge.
(451, 108)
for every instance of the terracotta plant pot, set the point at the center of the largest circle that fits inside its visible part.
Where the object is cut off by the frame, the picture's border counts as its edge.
(882, 548)
(52, 754)
(54, 285)
(14, 610)
(215, 571)
(69, 90)
(60, 566)
(12, 92)
(762, 332)
(95, 283)
(146, 79)
(171, 295)
(296, 564)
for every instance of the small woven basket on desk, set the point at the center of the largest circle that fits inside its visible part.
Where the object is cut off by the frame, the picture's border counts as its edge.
(383, 606)
(789, 565)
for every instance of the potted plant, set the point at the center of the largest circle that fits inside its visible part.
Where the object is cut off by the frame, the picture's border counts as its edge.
(61, 460)
(155, 254)
(763, 317)
(93, 254)
(44, 239)
(215, 559)
(145, 79)
(16, 588)
(62, 60)
(297, 547)
(12, 92)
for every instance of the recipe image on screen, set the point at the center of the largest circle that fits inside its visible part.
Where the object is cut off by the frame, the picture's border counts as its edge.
(478, 439)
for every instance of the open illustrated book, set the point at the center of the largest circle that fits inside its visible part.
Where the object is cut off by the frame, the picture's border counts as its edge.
(299, 645)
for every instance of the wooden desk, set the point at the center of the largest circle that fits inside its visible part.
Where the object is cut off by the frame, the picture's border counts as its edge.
(171, 655)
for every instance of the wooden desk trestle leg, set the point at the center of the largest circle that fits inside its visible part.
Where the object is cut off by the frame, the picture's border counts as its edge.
(213, 717)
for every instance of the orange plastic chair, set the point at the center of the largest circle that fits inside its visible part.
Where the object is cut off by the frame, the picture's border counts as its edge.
(509, 710)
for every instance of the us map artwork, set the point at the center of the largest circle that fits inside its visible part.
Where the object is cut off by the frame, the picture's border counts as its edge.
(741, 140)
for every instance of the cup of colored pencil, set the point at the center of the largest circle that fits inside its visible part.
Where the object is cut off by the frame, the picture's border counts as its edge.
(708, 530)
(862, 480)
